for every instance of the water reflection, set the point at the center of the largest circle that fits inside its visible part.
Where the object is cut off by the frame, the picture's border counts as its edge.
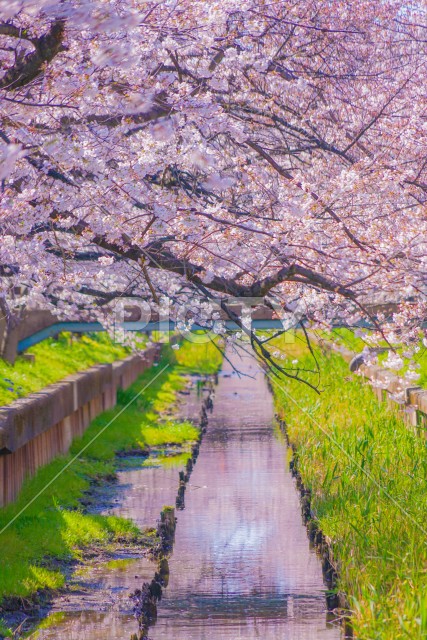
(241, 565)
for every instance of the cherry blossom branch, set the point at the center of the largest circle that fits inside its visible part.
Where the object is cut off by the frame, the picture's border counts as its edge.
(286, 174)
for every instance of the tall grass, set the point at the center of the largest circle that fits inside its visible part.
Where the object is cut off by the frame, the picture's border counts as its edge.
(54, 526)
(367, 473)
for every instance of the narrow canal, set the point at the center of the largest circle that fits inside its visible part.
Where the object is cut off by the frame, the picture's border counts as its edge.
(241, 566)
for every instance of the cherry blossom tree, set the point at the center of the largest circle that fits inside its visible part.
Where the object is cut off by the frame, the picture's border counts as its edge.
(185, 148)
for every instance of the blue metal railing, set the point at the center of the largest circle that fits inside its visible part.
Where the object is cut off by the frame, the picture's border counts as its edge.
(163, 326)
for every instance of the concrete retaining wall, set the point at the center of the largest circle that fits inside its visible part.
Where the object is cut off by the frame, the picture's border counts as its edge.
(35, 429)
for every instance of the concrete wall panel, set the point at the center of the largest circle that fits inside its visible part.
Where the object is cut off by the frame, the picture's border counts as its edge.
(37, 428)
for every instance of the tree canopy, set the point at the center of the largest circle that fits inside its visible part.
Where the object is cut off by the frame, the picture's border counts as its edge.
(218, 149)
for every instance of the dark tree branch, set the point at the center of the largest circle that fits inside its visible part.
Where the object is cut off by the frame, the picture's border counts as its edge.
(46, 48)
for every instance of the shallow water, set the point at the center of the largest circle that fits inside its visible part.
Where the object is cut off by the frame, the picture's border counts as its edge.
(241, 566)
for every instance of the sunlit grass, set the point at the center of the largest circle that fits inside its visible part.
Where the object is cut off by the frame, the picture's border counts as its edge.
(367, 472)
(202, 355)
(56, 358)
(52, 620)
(348, 339)
(170, 461)
(54, 525)
(5, 631)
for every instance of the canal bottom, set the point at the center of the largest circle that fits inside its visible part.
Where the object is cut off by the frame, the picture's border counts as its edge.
(241, 566)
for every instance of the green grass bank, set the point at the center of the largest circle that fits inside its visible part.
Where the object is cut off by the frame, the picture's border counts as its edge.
(36, 540)
(367, 473)
(54, 359)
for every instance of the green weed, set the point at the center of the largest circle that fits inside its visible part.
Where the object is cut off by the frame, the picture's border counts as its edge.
(367, 473)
